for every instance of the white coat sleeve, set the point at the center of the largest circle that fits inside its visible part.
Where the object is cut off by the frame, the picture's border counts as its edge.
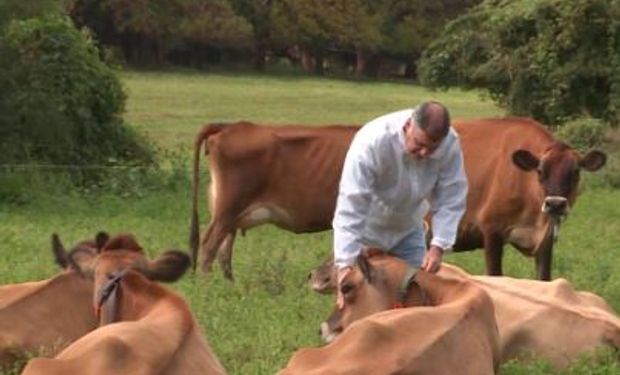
(354, 196)
(449, 199)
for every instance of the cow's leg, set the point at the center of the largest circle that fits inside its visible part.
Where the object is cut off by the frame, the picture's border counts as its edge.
(216, 234)
(493, 252)
(543, 262)
(224, 256)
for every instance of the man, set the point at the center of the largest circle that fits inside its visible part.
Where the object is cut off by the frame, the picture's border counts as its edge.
(395, 164)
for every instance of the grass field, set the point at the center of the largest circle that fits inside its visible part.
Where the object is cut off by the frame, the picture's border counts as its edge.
(256, 323)
(172, 106)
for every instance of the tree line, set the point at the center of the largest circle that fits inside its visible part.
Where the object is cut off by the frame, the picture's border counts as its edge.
(365, 38)
(62, 102)
(553, 60)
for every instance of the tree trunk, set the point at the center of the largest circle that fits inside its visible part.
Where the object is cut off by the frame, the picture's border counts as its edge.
(361, 58)
(373, 66)
(307, 61)
(367, 64)
(319, 67)
(411, 70)
(260, 53)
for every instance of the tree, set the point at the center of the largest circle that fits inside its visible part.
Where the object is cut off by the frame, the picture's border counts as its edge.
(316, 26)
(151, 24)
(550, 59)
(410, 25)
(369, 29)
(60, 103)
(263, 15)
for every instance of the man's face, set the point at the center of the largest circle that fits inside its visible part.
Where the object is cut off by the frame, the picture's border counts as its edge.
(417, 142)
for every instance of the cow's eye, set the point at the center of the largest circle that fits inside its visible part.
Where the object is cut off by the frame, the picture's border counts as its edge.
(346, 288)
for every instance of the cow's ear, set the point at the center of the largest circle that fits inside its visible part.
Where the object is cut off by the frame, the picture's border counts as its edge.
(593, 160)
(525, 160)
(60, 254)
(169, 267)
(100, 240)
(364, 265)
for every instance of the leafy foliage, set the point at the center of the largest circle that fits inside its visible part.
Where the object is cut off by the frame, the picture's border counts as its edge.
(379, 28)
(550, 59)
(16, 9)
(159, 31)
(583, 133)
(60, 103)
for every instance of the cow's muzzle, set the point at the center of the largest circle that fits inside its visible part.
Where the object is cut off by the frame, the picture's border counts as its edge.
(327, 333)
(555, 206)
(322, 283)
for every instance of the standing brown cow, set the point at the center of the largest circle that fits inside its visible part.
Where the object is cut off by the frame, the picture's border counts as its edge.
(287, 176)
(522, 206)
(522, 182)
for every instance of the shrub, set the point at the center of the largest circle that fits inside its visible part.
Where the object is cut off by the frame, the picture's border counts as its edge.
(549, 59)
(583, 133)
(60, 103)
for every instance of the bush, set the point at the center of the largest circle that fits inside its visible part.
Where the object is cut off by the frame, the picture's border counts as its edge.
(549, 59)
(60, 103)
(583, 134)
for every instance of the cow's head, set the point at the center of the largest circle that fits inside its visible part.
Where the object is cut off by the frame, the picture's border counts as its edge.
(322, 279)
(378, 282)
(81, 255)
(120, 257)
(558, 172)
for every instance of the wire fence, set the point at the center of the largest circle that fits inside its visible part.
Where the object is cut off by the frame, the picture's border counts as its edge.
(69, 167)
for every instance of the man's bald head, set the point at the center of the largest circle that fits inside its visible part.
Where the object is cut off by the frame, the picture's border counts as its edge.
(433, 118)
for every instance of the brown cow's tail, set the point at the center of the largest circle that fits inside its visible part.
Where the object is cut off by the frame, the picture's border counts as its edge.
(194, 236)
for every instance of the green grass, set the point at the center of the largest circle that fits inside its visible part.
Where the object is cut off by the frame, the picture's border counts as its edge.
(255, 324)
(172, 106)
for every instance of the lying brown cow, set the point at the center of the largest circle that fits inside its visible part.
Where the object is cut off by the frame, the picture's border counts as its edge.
(452, 331)
(546, 320)
(154, 331)
(535, 319)
(45, 316)
(522, 182)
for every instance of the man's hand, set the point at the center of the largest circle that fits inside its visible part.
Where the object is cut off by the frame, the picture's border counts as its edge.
(432, 259)
(342, 273)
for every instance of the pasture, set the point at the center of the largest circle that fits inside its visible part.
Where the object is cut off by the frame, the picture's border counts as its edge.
(256, 323)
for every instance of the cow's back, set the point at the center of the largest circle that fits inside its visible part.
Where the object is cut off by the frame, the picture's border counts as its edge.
(13, 292)
(30, 319)
(195, 357)
(291, 170)
(550, 320)
(402, 341)
(457, 336)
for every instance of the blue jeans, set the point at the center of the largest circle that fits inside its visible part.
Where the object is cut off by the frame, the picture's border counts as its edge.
(412, 248)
